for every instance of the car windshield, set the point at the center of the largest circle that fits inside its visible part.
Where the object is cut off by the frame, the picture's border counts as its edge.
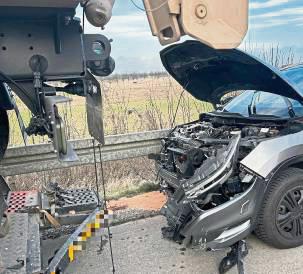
(296, 76)
(263, 103)
(253, 102)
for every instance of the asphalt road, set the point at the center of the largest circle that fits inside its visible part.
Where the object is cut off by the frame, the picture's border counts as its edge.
(139, 248)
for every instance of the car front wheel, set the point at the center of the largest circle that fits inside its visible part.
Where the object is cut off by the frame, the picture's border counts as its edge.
(280, 221)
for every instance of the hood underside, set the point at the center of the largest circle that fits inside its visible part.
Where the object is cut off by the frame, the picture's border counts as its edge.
(208, 74)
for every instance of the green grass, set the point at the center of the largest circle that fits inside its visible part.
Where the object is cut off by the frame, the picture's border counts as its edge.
(123, 112)
(119, 118)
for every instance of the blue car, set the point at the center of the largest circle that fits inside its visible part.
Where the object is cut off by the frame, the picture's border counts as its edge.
(237, 169)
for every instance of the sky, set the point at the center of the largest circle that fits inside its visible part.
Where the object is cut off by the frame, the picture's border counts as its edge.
(271, 22)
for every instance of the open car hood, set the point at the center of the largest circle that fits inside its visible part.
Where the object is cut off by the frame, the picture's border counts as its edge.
(208, 74)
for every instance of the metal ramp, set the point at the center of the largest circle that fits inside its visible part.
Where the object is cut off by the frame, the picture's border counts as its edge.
(29, 213)
(13, 247)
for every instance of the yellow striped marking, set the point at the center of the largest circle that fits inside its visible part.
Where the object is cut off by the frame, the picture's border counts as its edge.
(88, 230)
(87, 233)
(71, 253)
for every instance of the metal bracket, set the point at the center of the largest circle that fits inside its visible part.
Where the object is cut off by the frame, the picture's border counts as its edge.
(62, 147)
(235, 257)
(94, 108)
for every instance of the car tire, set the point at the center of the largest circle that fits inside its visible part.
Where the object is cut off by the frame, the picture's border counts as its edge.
(4, 132)
(280, 220)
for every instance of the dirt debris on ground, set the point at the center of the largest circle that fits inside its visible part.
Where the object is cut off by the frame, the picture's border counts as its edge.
(138, 207)
(152, 201)
(131, 214)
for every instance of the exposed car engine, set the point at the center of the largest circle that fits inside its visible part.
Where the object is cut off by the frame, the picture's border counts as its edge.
(192, 144)
(199, 165)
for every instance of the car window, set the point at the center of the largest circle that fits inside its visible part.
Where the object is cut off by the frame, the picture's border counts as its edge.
(241, 103)
(296, 76)
(264, 104)
(297, 107)
(270, 104)
(267, 103)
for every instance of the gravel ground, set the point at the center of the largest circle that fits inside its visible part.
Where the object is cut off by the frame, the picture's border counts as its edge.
(132, 214)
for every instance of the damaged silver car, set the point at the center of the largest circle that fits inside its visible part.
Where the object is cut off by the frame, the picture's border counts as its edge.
(239, 168)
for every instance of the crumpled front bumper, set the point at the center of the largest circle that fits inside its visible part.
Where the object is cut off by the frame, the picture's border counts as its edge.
(228, 223)
(218, 227)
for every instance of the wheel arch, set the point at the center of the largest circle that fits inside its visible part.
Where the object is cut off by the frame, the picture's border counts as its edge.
(295, 162)
(266, 223)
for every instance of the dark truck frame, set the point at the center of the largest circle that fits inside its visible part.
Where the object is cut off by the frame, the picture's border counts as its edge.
(42, 44)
